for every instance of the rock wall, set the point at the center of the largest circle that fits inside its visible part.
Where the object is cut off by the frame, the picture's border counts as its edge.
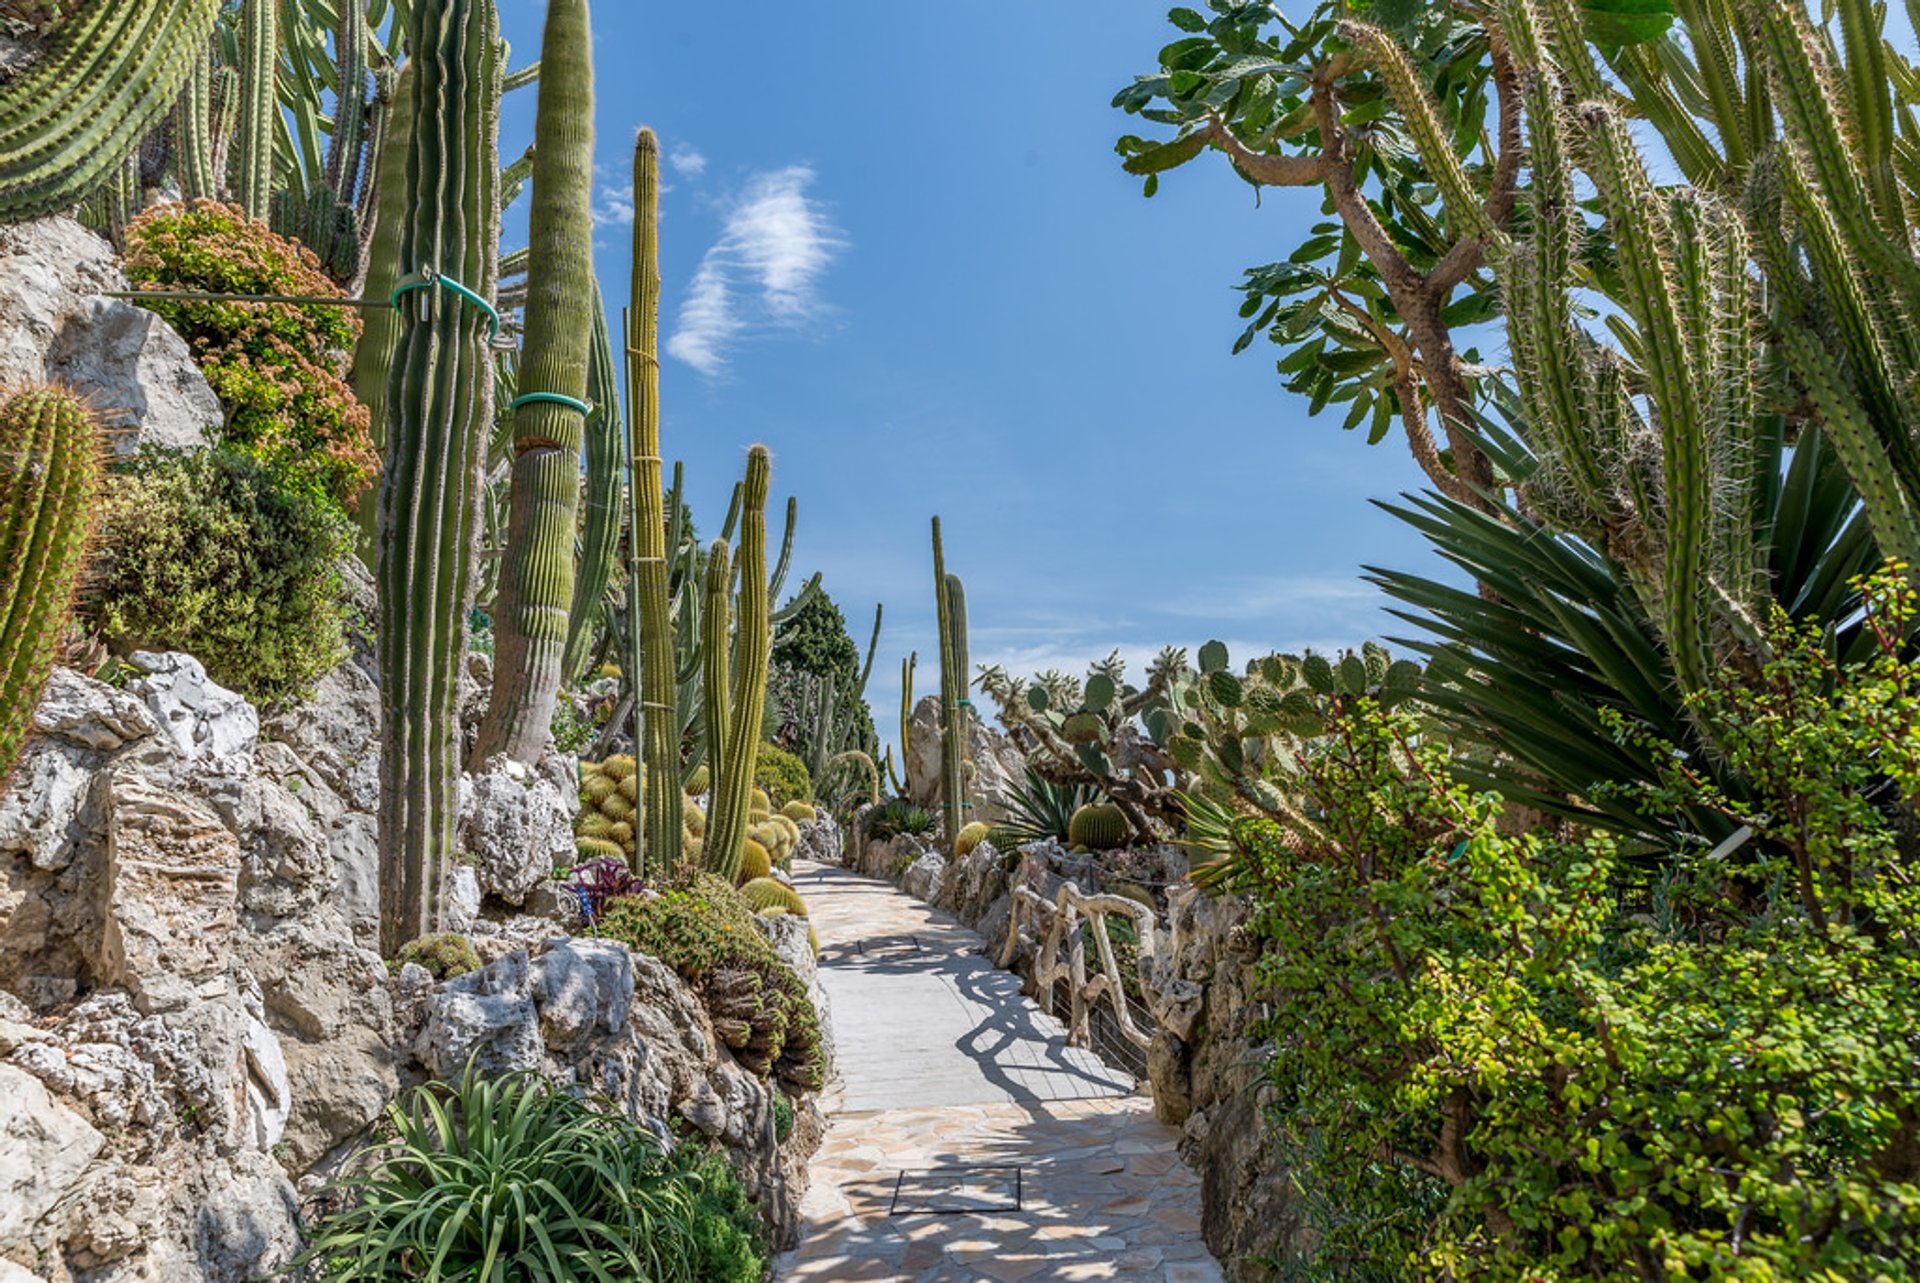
(194, 1030)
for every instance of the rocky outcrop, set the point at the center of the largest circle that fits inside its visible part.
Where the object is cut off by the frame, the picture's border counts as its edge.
(193, 1029)
(998, 765)
(56, 326)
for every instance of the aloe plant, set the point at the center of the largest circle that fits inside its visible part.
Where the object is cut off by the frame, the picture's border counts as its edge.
(439, 401)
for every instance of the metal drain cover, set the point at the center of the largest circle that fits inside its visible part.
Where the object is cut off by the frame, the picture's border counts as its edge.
(985, 1187)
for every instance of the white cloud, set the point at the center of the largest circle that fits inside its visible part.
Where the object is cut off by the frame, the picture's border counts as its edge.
(613, 208)
(776, 243)
(686, 160)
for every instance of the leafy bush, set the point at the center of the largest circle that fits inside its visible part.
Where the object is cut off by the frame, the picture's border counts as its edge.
(706, 932)
(205, 552)
(513, 1179)
(782, 775)
(729, 1240)
(445, 955)
(1519, 1057)
(896, 816)
(278, 368)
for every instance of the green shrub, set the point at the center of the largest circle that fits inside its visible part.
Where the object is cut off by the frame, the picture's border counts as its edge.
(782, 775)
(896, 816)
(513, 1179)
(445, 955)
(729, 1240)
(1521, 1057)
(706, 932)
(205, 552)
(278, 368)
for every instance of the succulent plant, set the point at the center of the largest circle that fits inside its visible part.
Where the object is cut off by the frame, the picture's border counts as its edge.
(1098, 827)
(799, 812)
(771, 893)
(51, 469)
(970, 837)
(438, 405)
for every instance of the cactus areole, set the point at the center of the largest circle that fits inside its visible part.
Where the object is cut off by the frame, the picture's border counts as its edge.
(549, 415)
(439, 403)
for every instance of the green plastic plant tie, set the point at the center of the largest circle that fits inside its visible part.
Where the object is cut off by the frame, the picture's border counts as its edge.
(427, 278)
(557, 398)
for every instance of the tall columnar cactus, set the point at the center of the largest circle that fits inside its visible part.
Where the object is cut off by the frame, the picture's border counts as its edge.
(193, 133)
(439, 403)
(955, 708)
(323, 213)
(733, 767)
(1663, 482)
(380, 332)
(719, 854)
(50, 474)
(537, 574)
(259, 106)
(110, 74)
(602, 491)
(658, 680)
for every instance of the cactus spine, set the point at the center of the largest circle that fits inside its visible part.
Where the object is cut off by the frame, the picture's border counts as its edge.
(536, 580)
(50, 474)
(951, 612)
(753, 638)
(717, 854)
(110, 74)
(439, 403)
(259, 106)
(193, 133)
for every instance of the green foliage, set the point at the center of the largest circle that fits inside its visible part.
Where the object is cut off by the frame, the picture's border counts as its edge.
(278, 368)
(705, 931)
(445, 955)
(815, 644)
(770, 893)
(1513, 1056)
(50, 475)
(782, 1118)
(207, 552)
(1039, 808)
(512, 1178)
(783, 775)
(892, 818)
(729, 1239)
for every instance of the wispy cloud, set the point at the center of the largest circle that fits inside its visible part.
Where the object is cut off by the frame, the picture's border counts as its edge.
(612, 201)
(687, 160)
(763, 271)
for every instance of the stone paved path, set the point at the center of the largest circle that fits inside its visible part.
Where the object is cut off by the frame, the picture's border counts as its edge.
(967, 1142)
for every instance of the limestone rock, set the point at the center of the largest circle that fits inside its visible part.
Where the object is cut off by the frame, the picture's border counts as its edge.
(580, 986)
(89, 714)
(518, 827)
(821, 841)
(173, 872)
(924, 876)
(43, 1147)
(487, 1015)
(211, 726)
(336, 732)
(54, 326)
(998, 766)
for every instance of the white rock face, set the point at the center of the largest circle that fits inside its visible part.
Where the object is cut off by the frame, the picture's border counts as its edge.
(173, 871)
(211, 726)
(517, 827)
(54, 326)
(43, 1147)
(998, 767)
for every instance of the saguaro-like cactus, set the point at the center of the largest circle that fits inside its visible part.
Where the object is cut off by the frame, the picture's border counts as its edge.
(536, 579)
(657, 682)
(734, 762)
(50, 472)
(259, 106)
(110, 74)
(605, 485)
(439, 403)
(955, 708)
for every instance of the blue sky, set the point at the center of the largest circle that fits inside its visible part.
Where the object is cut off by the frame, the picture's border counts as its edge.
(898, 248)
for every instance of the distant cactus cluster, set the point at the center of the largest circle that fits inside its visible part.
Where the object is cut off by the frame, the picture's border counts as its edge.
(609, 808)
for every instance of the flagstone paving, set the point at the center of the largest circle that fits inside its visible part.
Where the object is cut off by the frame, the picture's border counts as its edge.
(968, 1144)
